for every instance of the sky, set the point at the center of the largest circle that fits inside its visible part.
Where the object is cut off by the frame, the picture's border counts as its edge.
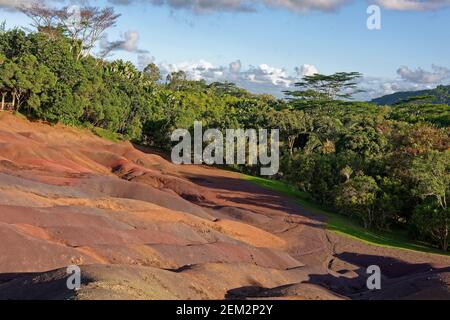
(266, 46)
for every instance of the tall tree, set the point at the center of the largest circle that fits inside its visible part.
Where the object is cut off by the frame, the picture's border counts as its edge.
(319, 88)
(28, 80)
(6, 74)
(292, 123)
(84, 26)
(3, 27)
(357, 197)
(433, 222)
(44, 19)
(432, 175)
(152, 72)
(177, 80)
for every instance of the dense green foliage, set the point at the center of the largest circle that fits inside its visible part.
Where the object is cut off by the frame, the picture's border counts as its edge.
(360, 161)
(338, 223)
(387, 167)
(438, 114)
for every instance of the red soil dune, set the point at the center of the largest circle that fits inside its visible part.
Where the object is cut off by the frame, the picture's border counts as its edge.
(142, 228)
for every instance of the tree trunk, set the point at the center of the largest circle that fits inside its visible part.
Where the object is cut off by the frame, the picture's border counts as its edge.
(445, 239)
(3, 100)
(366, 223)
(19, 102)
(14, 101)
(291, 142)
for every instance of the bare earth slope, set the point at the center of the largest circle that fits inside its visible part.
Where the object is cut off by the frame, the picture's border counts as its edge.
(143, 228)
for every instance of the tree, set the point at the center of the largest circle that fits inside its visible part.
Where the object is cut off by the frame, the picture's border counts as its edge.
(433, 223)
(431, 172)
(123, 69)
(3, 27)
(292, 123)
(84, 26)
(177, 80)
(92, 24)
(5, 79)
(364, 140)
(152, 72)
(346, 172)
(44, 19)
(319, 88)
(358, 197)
(227, 88)
(29, 79)
(14, 43)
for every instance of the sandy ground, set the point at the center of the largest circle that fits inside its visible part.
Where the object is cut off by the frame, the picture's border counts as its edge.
(142, 228)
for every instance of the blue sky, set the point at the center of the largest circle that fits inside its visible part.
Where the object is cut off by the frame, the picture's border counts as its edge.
(272, 43)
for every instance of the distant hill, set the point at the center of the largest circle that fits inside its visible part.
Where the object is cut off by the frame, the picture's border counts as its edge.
(440, 95)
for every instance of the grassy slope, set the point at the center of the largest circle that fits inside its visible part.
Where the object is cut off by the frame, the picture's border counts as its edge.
(106, 134)
(344, 225)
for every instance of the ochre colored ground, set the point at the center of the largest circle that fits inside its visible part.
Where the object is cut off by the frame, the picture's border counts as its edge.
(143, 228)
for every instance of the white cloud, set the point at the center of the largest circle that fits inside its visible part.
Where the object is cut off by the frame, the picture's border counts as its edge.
(307, 5)
(408, 80)
(376, 87)
(16, 4)
(143, 60)
(129, 43)
(199, 6)
(12, 4)
(258, 79)
(306, 70)
(413, 5)
(268, 74)
(420, 76)
(204, 6)
(236, 66)
(207, 6)
(195, 70)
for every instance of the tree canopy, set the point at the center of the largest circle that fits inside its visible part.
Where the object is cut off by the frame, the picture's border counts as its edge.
(318, 88)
